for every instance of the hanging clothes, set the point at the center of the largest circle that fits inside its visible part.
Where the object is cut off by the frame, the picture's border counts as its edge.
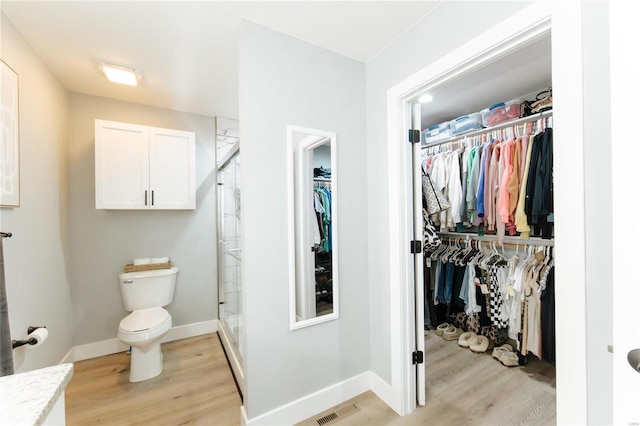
(509, 296)
(513, 185)
(322, 206)
(522, 224)
(453, 215)
(472, 183)
(548, 318)
(542, 197)
(503, 186)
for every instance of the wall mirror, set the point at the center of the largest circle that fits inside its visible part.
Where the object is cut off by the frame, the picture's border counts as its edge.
(313, 230)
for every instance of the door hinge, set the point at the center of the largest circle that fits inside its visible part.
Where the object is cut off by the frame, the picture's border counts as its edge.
(414, 136)
(418, 357)
(416, 246)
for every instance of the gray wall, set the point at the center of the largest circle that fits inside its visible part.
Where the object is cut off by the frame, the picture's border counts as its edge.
(37, 257)
(424, 43)
(287, 81)
(103, 241)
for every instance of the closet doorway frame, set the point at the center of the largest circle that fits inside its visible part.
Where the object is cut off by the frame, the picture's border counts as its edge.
(564, 24)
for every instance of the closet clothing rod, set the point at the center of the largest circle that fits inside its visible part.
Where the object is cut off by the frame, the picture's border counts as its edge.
(504, 125)
(507, 239)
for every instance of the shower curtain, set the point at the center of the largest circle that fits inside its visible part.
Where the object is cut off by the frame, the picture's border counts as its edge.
(6, 350)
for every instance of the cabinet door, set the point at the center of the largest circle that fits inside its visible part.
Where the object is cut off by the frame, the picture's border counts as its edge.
(122, 166)
(172, 169)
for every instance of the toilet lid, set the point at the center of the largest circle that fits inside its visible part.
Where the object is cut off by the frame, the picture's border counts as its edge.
(144, 319)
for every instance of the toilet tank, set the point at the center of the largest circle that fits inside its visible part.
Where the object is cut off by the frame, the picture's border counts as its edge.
(148, 289)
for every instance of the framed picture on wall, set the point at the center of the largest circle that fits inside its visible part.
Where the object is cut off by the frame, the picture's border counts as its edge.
(9, 138)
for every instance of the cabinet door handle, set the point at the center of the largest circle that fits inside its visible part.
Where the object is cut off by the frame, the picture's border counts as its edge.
(145, 197)
(152, 198)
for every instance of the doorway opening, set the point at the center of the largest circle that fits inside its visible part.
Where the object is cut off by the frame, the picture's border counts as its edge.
(522, 29)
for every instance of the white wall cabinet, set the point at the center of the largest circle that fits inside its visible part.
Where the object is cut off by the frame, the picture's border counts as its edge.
(141, 167)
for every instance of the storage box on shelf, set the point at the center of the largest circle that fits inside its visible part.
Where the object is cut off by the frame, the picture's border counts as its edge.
(465, 123)
(436, 132)
(500, 112)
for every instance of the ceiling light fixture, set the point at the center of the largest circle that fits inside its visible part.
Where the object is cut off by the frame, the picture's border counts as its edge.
(119, 73)
(425, 98)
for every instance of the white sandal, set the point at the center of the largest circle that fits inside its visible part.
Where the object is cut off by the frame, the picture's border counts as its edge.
(453, 333)
(509, 359)
(499, 350)
(466, 338)
(441, 328)
(481, 345)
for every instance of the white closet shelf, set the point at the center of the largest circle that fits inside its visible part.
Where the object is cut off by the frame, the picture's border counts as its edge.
(503, 125)
(536, 241)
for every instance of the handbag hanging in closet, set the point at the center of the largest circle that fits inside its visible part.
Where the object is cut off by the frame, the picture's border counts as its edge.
(435, 200)
(431, 239)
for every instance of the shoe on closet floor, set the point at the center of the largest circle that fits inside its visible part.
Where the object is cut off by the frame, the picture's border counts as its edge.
(452, 333)
(509, 359)
(442, 328)
(466, 338)
(499, 350)
(480, 345)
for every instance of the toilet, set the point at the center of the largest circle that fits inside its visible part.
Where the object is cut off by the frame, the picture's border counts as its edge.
(144, 294)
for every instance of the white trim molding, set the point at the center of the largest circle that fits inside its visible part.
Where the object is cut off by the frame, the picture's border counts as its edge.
(522, 28)
(569, 211)
(113, 346)
(312, 404)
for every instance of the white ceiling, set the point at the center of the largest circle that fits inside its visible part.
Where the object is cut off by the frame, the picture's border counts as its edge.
(519, 75)
(187, 50)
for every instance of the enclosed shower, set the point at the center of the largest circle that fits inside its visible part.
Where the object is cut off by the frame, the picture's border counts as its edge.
(229, 244)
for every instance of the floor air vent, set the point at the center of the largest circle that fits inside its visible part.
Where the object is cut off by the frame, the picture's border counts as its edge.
(337, 415)
(327, 419)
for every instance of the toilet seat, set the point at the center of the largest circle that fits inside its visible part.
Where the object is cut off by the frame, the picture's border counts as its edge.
(144, 324)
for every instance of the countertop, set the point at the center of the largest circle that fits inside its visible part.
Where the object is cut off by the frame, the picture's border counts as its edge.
(27, 398)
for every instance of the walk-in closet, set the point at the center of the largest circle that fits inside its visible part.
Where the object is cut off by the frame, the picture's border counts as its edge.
(486, 184)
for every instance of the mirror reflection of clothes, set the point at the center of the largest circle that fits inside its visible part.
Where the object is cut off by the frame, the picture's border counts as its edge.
(317, 230)
(322, 203)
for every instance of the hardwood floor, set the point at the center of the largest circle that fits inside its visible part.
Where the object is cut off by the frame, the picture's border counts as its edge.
(466, 388)
(196, 387)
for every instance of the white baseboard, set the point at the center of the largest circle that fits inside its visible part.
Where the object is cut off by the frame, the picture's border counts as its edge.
(70, 356)
(112, 346)
(383, 390)
(191, 330)
(314, 403)
(96, 349)
(244, 421)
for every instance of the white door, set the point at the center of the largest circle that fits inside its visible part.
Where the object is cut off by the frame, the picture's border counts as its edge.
(122, 165)
(625, 90)
(172, 169)
(418, 261)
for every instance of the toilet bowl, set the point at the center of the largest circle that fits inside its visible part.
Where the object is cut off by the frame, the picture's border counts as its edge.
(144, 294)
(142, 330)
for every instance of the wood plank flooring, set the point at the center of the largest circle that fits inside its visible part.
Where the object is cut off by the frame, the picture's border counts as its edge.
(196, 387)
(466, 388)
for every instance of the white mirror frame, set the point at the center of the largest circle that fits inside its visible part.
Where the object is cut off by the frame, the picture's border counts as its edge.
(301, 261)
